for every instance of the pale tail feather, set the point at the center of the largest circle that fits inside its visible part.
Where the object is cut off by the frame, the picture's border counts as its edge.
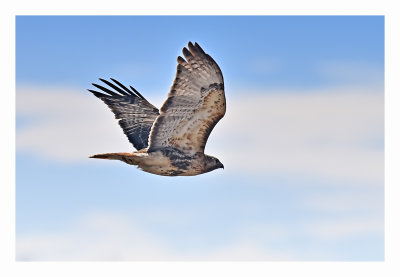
(128, 158)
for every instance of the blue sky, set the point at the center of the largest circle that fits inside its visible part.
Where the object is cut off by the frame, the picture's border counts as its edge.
(302, 141)
(73, 51)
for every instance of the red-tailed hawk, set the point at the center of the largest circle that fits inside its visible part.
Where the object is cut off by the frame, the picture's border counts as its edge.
(171, 141)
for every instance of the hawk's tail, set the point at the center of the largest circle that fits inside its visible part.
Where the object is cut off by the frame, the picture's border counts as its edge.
(128, 158)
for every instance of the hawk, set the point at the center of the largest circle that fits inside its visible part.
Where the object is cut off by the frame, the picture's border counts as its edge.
(171, 141)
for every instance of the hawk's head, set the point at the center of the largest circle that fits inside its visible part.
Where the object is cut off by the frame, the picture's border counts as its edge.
(212, 163)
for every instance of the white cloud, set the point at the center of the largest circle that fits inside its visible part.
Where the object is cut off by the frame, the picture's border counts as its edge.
(348, 202)
(101, 236)
(96, 236)
(110, 236)
(249, 251)
(345, 228)
(325, 134)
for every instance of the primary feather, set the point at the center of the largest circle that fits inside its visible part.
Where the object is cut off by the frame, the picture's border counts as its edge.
(136, 115)
(171, 141)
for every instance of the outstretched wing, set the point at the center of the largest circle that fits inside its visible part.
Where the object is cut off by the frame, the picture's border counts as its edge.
(195, 104)
(136, 115)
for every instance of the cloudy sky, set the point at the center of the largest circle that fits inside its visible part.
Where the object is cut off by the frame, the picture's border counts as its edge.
(302, 141)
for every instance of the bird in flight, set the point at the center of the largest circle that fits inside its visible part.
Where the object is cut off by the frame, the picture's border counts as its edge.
(171, 141)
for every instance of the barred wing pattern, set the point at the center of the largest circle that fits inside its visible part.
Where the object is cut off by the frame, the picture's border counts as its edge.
(136, 115)
(195, 104)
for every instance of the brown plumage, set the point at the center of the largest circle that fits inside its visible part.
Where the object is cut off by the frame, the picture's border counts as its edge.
(171, 141)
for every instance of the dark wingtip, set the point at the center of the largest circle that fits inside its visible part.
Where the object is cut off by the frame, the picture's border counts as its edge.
(121, 91)
(199, 49)
(96, 93)
(138, 93)
(180, 60)
(185, 51)
(106, 90)
(122, 86)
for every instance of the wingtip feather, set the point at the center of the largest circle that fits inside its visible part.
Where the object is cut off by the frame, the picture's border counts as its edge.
(122, 86)
(185, 52)
(181, 60)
